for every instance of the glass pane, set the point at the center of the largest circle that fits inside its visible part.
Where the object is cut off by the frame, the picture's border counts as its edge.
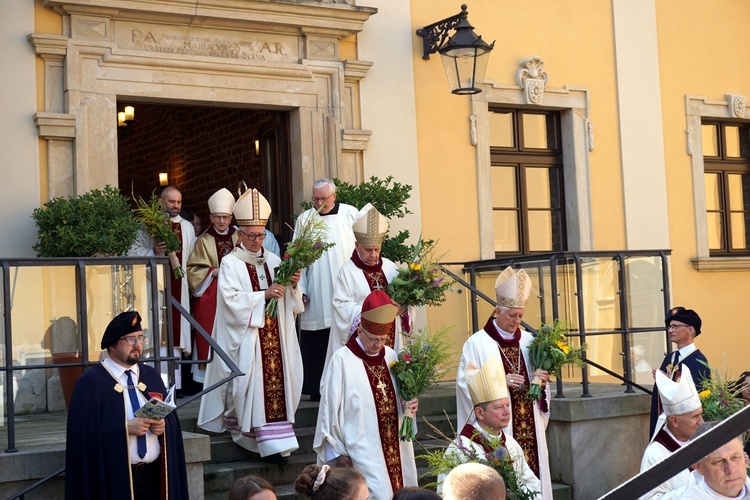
(739, 232)
(732, 138)
(739, 191)
(710, 139)
(644, 293)
(505, 225)
(715, 231)
(542, 187)
(647, 351)
(713, 200)
(503, 179)
(540, 231)
(501, 129)
(535, 131)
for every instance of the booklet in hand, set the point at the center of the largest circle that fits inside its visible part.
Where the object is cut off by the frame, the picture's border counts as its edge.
(155, 409)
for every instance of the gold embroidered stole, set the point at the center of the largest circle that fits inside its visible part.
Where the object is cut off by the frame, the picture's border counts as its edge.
(274, 394)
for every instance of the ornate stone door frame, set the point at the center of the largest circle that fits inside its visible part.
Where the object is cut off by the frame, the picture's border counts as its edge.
(260, 54)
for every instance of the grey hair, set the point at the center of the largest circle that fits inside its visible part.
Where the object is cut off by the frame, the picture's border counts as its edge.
(325, 182)
(503, 309)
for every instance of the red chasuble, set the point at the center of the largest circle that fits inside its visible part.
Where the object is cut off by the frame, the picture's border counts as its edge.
(176, 289)
(203, 308)
(274, 395)
(386, 403)
(377, 281)
(524, 430)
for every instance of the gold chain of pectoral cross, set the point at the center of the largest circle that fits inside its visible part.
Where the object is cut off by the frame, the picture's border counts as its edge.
(375, 277)
(381, 384)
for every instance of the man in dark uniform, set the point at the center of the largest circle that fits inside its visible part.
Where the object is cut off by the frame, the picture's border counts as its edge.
(683, 325)
(110, 452)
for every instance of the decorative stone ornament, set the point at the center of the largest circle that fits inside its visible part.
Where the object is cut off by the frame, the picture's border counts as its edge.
(737, 105)
(532, 78)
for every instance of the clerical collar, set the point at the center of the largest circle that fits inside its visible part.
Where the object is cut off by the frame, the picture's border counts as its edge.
(358, 262)
(505, 335)
(681, 443)
(257, 254)
(359, 341)
(332, 211)
(355, 346)
(176, 218)
(222, 233)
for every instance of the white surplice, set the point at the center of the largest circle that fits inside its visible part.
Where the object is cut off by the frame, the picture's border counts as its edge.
(239, 316)
(524, 473)
(317, 280)
(348, 423)
(697, 489)
(144, 247)
(478, 349)
(349, 293)
(655, 453)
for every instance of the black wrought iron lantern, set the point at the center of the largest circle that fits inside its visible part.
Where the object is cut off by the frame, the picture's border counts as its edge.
(464, 54)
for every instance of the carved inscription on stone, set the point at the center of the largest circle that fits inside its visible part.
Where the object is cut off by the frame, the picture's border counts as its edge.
(180, 41)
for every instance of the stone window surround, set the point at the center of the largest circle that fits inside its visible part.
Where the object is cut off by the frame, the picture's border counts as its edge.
(577, 140)
(86, 72)
(696, 109)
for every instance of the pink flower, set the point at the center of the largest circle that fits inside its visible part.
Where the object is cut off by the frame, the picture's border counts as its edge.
(407, 357)
(286, 256)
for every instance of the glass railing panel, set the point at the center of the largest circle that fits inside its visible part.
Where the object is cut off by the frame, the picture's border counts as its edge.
(647, 349)
(645, 291)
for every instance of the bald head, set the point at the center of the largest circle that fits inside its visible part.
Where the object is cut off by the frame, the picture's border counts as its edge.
(171, 199)
(473, 481)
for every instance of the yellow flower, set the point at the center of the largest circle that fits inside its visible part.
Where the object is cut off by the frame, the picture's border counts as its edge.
(704, 394)
(391, 364)
(563, 347)
(415, 267)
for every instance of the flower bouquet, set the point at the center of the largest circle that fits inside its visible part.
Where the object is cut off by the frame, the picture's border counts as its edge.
(549, 351)
(720, 397)
(156, 222)
(442, 462)
(422, 282)
(420, 365)
(305, 249)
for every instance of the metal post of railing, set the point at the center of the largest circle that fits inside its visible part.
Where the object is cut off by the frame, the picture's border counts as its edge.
(81, 311)
(542, 298)
(624, 320)
(156, 316)
(8, 360)
(667, 295)
(474, 299)
(581, 323)
(555, 314)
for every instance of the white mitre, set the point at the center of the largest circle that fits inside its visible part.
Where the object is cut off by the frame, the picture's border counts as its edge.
(677, 398)
(370, 227)
(221, 202)
(512, 288)
(488, 383)
(252, 209)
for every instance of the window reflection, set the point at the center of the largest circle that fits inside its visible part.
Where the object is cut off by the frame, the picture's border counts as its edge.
(710, 140)
(501, 129)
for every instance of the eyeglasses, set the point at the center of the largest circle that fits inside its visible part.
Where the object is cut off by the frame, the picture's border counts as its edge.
(322, 200)
(221, 217)
(374, 340)
(675, 326)
(133, 340)
(253, 237)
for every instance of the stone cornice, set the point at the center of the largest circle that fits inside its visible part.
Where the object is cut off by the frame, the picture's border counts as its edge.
(286, 16)
(49, 46)
(56, 126)
(716, 264)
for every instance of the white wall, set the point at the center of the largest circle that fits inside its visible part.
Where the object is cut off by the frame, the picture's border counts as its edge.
(19, 155)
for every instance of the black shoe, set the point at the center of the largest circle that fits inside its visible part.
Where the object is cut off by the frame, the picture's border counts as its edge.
(276, 458)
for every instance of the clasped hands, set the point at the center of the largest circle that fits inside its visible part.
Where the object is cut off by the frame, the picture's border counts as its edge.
(138, 426)
(517, 380)
(277, 291)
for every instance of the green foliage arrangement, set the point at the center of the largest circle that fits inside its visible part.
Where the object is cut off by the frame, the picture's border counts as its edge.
(719, 395)
(389, 198)
(95, 224)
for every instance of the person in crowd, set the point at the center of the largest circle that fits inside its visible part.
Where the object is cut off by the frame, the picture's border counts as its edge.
(365, 272)
(361, 411)
(322, 482)
(489, 394)
(203, 270)
(744, 387)
(271, 244)
(678, 423)
(317, 280)
(252, 488)
(171, 200)
(258, 408)
(503, 337)
(683, 325)
(473, 481)
(110, 452)
(722, 474)
(415, 493)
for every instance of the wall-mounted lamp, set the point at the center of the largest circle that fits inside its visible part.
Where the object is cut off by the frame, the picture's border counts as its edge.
(257, 147)
(125, 120)
(163, 179)
(464, 54)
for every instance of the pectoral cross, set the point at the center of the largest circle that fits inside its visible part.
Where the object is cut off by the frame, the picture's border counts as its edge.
(381, 385)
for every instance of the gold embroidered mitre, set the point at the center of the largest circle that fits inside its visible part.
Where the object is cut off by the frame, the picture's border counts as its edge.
(488, 383)
(678, 398)
(252, 209)
(378, 313)
(370, 227)
(512, 288)
(221, 202)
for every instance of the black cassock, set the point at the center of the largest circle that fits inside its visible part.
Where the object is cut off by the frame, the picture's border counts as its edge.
(96, 455)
